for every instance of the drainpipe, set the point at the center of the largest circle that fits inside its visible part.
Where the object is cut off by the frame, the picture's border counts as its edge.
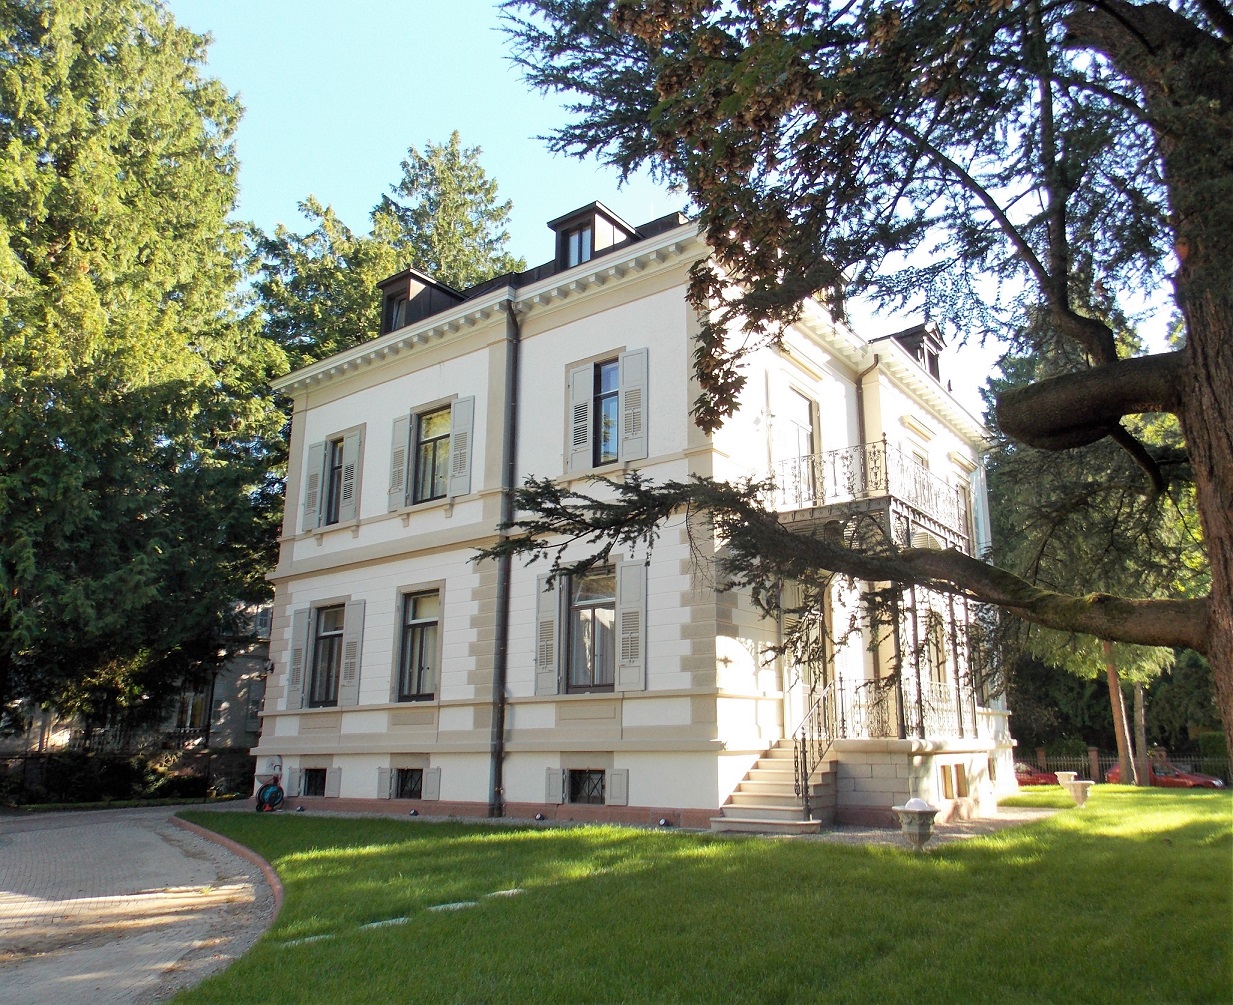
(509, 474)
(860, 398)
(861, 436)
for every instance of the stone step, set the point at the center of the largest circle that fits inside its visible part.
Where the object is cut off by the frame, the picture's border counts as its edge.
(755, 782)
(753, 825)
(783, 801)
(763, 810)
(776, 766)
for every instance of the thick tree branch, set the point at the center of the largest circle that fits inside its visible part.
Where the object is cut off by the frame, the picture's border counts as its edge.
(1080, 408)
(572, 530)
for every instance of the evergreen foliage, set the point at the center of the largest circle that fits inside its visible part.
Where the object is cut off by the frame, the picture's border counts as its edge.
(317, 293)
(135, 505)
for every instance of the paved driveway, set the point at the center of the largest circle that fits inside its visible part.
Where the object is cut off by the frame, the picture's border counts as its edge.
(118, 906)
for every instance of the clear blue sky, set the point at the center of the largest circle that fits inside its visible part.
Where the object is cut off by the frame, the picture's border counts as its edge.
(335, 91)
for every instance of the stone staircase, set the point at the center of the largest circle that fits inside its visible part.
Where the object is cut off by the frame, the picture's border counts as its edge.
(765, 802)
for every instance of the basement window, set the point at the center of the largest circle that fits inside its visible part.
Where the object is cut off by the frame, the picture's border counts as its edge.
(586, 786)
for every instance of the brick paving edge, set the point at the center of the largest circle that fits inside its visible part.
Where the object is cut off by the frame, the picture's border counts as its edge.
(271, 877)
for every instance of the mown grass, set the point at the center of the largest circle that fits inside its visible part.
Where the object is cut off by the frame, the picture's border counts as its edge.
(1126, 900)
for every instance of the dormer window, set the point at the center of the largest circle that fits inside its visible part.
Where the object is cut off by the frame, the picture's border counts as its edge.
(578, 244)
(587, 232)
(924, 343)
(410, 296)
(397, 313)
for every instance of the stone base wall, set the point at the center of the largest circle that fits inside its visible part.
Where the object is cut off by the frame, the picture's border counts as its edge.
(638, 816)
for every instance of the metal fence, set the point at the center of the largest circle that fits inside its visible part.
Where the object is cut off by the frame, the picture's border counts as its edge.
(1217, 767)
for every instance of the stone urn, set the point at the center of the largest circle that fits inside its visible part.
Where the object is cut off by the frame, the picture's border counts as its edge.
(1078, 790)
(916, 821)
(1064, 778)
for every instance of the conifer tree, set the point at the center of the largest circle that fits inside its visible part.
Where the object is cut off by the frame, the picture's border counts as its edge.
(925, 153)
(134, 501)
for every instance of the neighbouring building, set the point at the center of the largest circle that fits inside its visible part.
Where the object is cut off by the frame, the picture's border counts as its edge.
(404, 670)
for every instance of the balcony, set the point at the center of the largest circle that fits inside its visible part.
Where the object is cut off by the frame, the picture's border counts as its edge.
(871, 474)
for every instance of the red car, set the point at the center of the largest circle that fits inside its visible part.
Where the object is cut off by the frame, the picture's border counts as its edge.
(1169, 777)
(1025, 774)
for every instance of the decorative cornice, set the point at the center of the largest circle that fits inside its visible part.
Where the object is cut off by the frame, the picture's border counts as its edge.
(627, 265)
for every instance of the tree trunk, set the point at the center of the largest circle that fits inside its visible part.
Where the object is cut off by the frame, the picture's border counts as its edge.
(1208, 425)
(1142, 775)
(1120, 729)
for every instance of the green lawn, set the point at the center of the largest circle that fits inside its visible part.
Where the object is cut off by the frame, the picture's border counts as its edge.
(1126, 900)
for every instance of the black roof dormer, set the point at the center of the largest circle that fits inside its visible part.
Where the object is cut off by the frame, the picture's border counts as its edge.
(410, 296)
(924, 343)
(587, 231)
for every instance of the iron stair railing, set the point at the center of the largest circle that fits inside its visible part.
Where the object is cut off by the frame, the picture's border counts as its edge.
(811, 740)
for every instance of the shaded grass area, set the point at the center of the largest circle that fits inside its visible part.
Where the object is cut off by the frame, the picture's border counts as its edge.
(1067, 910)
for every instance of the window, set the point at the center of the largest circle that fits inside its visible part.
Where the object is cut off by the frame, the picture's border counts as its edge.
(607, 402)
(409, 783)
(607, 411)
(314, 782)
(935, 647)
(592, 632)
(191, 713)
(578, 243)
(586, 786)
(398, 313)
(417, 674)
(323, 664)
(332, 480)
(327, 657)
(432, 455)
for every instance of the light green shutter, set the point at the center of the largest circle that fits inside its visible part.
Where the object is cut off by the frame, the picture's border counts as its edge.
(631, 626)
(399, 451)
(462, 422)
(616, 787)
(349, 491)
(352, 653)
(333, 782)
(384, 783)
(547, 638)
(633, 404)
(431, 788)
(314, 471)
(554, 787)
(581, 393)
(297, 658)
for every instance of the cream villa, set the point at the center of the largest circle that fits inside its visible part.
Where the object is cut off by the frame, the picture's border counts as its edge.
(638, 692)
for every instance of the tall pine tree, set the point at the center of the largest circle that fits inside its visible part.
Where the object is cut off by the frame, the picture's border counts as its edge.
(134, 501)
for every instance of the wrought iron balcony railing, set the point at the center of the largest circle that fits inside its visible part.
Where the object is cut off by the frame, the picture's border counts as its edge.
(867, 472)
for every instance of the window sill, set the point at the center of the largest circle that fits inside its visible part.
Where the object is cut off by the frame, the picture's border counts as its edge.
(445, 505)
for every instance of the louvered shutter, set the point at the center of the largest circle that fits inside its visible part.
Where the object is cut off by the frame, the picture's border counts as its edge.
(352, 653)
(297, 658)
(314, 471)
(383, 783)
(631, 626)
(462, 421)
(431, 788)
(295, 782)
(581, 395)
(333, 782)
(633, 404)
(349, 492)
(617, 787)
(547, 647)
(399, 451)
(554, 787)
